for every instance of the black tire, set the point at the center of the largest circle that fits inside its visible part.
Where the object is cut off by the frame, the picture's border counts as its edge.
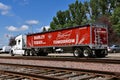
(11, 53)
(78, 52)
(87, 52)
(45, 54)
(114, 51)
(38, 54)
(41, 53)
(26, 53)
(33, 52)
(100, 53)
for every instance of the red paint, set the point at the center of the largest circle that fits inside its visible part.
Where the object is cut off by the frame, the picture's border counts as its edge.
(72, 36)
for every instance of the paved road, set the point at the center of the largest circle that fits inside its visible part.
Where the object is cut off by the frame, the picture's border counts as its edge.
(114, 55)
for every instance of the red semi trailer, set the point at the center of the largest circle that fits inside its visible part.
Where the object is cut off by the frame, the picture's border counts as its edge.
(82, 41)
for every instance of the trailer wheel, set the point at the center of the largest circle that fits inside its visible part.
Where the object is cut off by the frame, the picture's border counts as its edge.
(78, 52)
(114, 51)
(87, 52)
(45, 54)
(41, 53)
(101, 53)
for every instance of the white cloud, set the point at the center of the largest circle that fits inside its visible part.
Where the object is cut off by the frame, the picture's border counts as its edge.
(21, 2)
(32, 22)
(24, 27)
(24, 2)
(13, 28)
(41, 29)
(4, 12)
(4, 9)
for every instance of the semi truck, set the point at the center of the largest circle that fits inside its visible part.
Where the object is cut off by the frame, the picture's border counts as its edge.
(82, 41)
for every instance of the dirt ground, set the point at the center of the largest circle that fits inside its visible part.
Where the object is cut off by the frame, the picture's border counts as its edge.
(117, 55)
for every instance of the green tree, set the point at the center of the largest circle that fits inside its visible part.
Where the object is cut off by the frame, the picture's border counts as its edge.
(44, 29)
(59, 20)
(75, 15)
(93, 11)
(99, 8)
(78, 13)
(116, 20)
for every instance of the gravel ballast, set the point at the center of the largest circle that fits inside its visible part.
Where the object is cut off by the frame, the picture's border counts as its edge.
(67, 64)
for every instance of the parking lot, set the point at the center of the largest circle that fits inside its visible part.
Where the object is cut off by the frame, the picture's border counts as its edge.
(114, 55)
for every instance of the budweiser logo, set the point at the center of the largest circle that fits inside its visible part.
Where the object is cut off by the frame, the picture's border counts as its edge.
(64, 36)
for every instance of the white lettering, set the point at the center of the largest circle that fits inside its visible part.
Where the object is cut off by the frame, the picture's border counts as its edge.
(39, 42)
(64, 41)
(39, 37)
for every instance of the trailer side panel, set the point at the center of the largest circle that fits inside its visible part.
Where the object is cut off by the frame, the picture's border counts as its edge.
(65, 37)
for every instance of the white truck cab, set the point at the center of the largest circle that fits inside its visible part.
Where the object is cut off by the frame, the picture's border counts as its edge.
(18, 47)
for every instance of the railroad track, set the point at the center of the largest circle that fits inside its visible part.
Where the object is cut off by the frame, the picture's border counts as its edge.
(7, 75)
(108, 65)
(28, 72)
(72, 59)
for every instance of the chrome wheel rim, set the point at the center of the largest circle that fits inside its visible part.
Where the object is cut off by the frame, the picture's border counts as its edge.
(86, 53)
(76, 53)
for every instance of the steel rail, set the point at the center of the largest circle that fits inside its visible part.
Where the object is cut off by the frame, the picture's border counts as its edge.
(37, 73)
(93, 60)
(30, 76)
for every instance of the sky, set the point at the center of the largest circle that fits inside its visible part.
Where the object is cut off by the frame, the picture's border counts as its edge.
(26, 16)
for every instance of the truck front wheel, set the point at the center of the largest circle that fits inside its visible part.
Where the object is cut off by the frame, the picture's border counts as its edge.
(78, 52)
(11, 53)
